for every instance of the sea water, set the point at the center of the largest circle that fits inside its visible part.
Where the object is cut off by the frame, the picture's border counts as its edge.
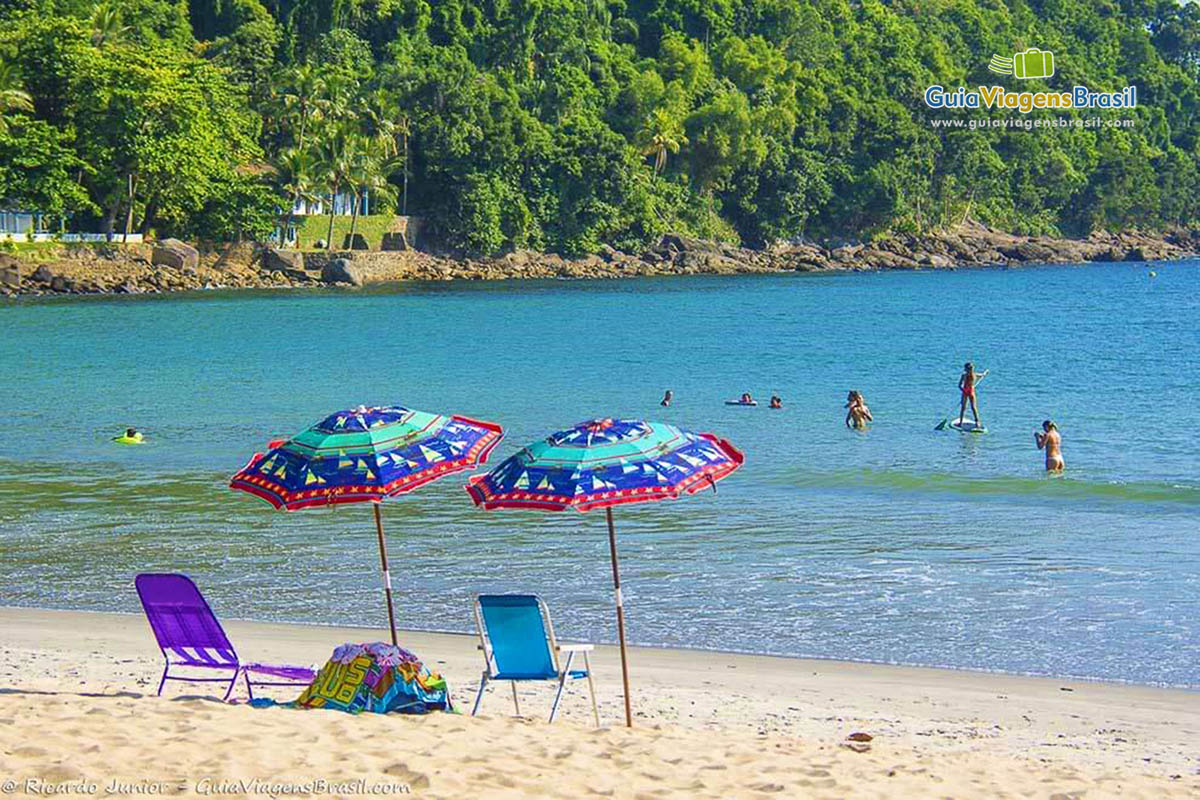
(897, 544)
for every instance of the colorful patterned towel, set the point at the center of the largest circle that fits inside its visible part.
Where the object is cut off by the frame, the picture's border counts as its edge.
(376, 677)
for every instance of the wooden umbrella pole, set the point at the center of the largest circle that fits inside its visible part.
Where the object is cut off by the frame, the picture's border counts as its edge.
(612, 548)
(387, 576)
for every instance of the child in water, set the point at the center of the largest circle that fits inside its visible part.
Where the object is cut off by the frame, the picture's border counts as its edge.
(858, 414)
(966, 385)
(1048, 439)
(776, 401)
(747, 400)
(667, 398)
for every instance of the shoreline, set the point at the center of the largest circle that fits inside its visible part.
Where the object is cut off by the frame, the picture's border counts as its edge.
(77, 692)
(830, 661)
(154, 269)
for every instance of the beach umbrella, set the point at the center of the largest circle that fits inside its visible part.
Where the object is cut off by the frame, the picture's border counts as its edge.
(604, 463)
(365, 455)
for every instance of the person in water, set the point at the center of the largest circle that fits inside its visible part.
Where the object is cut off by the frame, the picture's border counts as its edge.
(966, 385)
(1049, 439)
(667, 398)
(857, 414)
(747, 400)
(776, 401)
(132, 433)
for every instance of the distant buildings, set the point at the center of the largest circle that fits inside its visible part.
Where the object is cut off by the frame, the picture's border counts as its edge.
(30, 226)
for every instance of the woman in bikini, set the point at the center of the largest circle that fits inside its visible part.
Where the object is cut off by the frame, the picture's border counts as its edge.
(966, 384)
(858, 414)
(1048, 439)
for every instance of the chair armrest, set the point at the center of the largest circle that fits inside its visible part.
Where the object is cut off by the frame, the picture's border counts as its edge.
(575, 648)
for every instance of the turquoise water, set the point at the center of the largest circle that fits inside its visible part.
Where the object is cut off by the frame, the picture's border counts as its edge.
(900, 544)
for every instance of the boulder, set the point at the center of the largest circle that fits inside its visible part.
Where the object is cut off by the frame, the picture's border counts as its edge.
(342, 270)
(395, 241)
(355, 242)
(42, 275)
(276, 260)
(61, 284)
(10, 272)
(176, 254)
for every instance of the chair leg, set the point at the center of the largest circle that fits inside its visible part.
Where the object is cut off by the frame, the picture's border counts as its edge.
(587, 664)
(562, 681)
(516, 703)
(163, 681)
(237, 673)
(249, 688)
(479, 696)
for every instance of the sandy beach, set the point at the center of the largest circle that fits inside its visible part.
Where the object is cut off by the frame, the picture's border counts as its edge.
(78, 715)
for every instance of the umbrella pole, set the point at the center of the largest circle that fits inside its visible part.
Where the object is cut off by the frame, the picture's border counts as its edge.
(612, 549)
(387, 576)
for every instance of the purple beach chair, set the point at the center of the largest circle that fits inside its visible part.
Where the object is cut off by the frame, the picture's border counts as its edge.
(190, 637)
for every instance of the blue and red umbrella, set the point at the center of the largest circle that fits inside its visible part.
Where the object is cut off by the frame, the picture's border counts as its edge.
(604, 463)
(366, 455)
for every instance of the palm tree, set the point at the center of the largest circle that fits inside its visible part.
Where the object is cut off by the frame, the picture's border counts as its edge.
(302, 97)
(295, 169)
(369, 173)
(390, 128)
(106, 24)
(660, 134)
(337, 154)
(13, 96)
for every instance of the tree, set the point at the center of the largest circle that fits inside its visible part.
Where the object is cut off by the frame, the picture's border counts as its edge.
(660, 134)
(13, 96)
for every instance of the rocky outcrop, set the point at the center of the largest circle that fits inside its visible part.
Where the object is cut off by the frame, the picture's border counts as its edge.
(10, 273)
(286, 261)
(129, 270)
(176, 254)
(342, 270)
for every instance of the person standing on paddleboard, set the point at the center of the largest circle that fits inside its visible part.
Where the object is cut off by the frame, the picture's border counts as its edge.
(1048, 439)
(966, 384)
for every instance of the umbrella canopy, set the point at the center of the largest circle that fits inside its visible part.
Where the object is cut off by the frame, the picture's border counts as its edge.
(604, 463)
(366, 455)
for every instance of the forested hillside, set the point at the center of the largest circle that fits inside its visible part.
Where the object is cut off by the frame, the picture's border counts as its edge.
(564, 124)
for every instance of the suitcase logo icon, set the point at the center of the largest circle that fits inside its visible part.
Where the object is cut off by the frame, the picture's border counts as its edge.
(1031, 63)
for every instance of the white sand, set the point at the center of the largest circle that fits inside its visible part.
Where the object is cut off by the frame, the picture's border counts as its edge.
(77, 706)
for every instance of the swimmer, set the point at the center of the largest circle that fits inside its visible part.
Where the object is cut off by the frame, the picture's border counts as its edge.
(747, 399)
(667, 398)
(131, 436)
(858, 415)
(1049, 439)
(966, 385)
(776, 401)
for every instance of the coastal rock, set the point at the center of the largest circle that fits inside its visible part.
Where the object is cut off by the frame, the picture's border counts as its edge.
(286, 261)
(42, 275)
(342, 270)
(10, 272)
(174, 253)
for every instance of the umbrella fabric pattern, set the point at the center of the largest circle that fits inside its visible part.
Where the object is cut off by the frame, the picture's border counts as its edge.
(366, 454)
(604, 463)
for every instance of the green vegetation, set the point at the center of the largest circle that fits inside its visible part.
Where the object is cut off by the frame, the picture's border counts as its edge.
(314, 229)
(564, 124)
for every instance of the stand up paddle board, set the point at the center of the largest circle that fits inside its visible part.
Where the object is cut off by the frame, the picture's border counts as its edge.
(962, 426)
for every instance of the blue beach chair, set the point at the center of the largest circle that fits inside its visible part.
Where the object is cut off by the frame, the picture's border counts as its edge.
(518, 644)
